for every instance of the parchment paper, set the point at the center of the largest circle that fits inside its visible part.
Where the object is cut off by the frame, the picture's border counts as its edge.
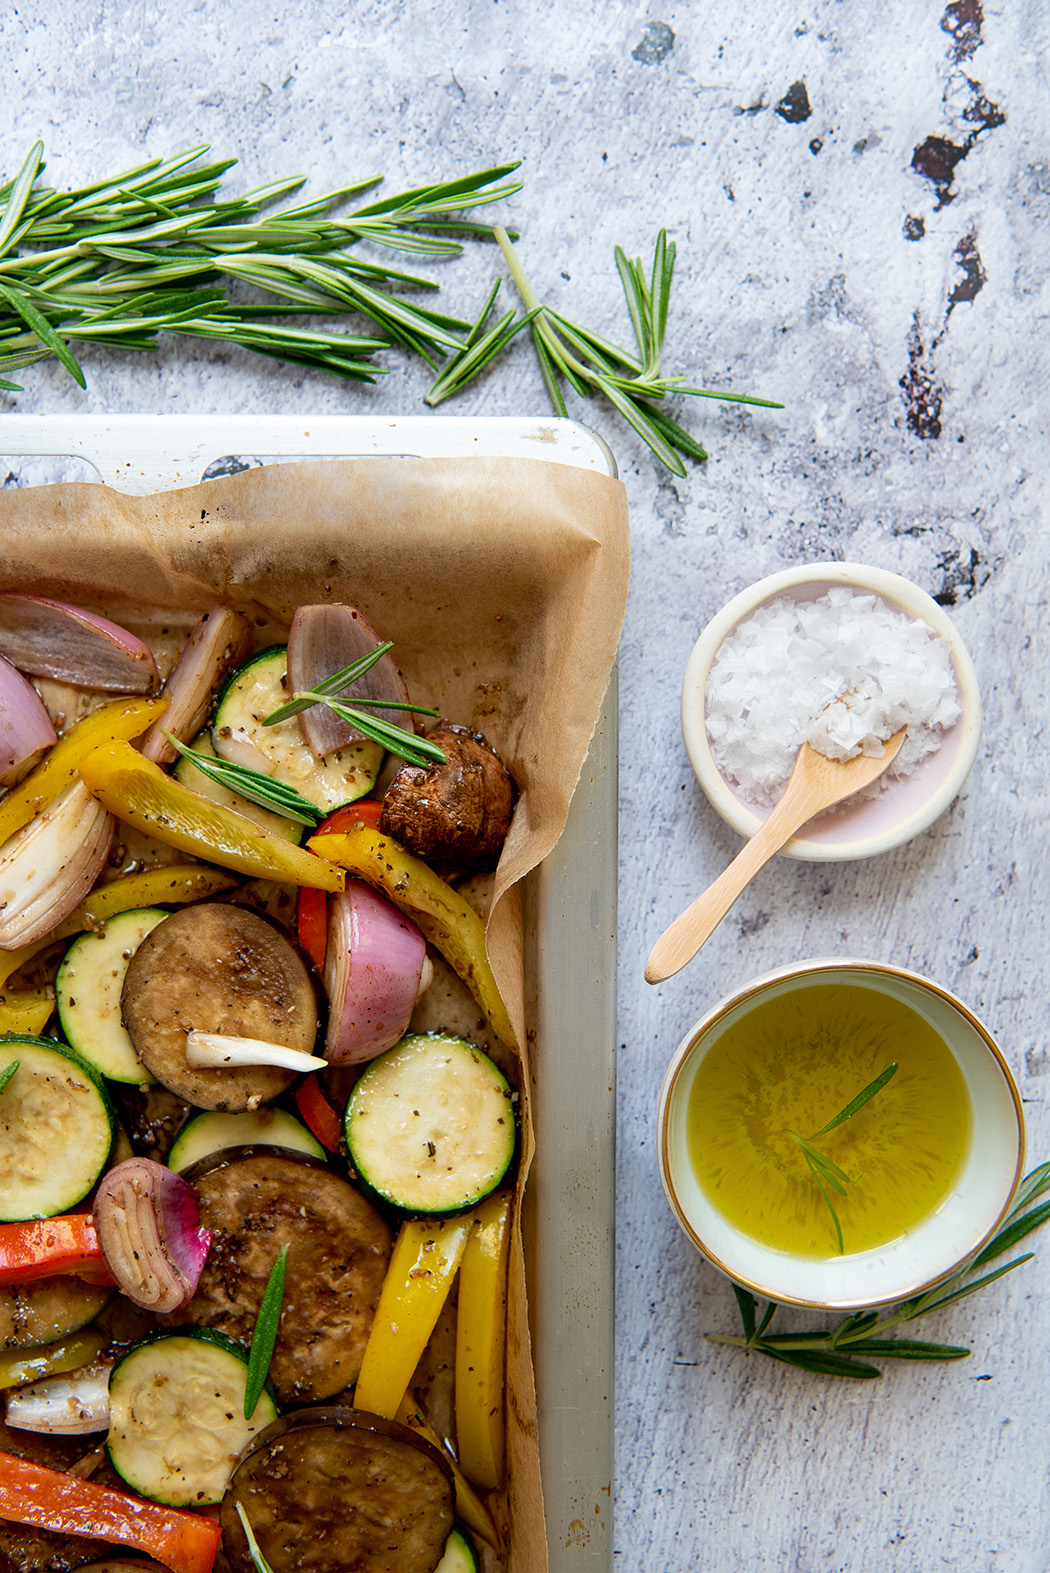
(502, 583)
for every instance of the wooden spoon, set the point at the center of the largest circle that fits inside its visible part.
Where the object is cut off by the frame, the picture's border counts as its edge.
(815, 784)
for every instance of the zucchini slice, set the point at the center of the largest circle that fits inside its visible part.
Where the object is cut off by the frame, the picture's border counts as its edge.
(430, 1125)
(57, 1126)
(461, 1554)
(87, 993)
(176, 1408)
(207, 1133)
(252, 692)
(190, 776)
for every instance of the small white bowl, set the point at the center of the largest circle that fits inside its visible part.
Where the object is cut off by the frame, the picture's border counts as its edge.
(906, 806)
(924, 1255)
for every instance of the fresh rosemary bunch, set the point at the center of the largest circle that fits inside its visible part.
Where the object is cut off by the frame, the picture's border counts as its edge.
(155, 249)
(824, 1171)
(634, 384)
(848, 1348)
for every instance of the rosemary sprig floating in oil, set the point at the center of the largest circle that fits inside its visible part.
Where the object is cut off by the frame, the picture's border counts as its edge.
(254, 785)
(848, 1348)
(820, 1165)
(395, 739)
(634, 383)
(154, 249)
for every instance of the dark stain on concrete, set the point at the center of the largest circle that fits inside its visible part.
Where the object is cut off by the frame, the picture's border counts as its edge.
(974, 277)
(794, 106)
(749, 927)
(655, 44)
(937, 157)
(962, 21)
(913, 228)
(962, 575)
(923, 394)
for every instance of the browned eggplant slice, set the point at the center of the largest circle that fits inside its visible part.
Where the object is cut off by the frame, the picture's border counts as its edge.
(218, 968)
(326, 1490)
(256, 1199)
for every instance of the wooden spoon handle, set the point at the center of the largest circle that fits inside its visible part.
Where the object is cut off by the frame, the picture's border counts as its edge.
(680, 942)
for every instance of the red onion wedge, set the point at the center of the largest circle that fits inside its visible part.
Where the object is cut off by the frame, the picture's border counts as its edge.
(74, 1404)
(147, 1219)
(373, 966)
(52, 639)
(324, 639)
(51, 864)
(25, 726)
(221, 640)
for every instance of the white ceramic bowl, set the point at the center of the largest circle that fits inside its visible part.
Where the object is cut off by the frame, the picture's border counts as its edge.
(905, 806)
(923, 1255)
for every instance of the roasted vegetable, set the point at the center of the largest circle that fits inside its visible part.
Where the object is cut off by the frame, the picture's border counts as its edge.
(454, 815)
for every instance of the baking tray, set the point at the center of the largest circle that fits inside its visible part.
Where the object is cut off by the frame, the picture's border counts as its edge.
(570, 932)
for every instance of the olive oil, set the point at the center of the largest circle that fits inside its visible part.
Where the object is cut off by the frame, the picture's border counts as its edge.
(790, 1065)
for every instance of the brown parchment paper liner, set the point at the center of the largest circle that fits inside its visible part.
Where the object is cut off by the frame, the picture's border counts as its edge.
(502, 583)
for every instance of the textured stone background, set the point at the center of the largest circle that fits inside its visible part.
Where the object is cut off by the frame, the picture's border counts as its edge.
(859, 196)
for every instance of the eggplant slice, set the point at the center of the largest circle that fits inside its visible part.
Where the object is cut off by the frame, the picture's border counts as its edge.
(218, 968)
(256, 1199)
(326, 1490)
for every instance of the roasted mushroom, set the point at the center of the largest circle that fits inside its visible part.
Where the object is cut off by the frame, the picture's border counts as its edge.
(454, 815)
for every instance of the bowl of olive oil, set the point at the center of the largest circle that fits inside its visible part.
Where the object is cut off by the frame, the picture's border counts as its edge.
(840, 1134)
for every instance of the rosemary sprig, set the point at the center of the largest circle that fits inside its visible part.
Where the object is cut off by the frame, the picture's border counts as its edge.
(264, 1335)
(156, 248)
(590, 363)
(820, 1165)
(848, 1348)
(252, 784)
(395, 739)
(259, 1562)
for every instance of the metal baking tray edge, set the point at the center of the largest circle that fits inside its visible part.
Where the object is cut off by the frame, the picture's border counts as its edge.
(571, 928)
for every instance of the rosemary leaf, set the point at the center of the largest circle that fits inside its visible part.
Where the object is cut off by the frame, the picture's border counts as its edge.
(969, 1289)
(822, 1364)
(746, 1302)
(8, 1072)
(857, 1103)
(18, 196)
(1008, 1237)
(264, 1335)
(38, 323)
(908, 1349)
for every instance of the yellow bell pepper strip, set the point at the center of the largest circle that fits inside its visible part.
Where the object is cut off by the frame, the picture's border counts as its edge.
(29, 1494)
(18, 1366)
(119, 721)
(481, 1324)
(427, 1253)
(447, 921)
(49, 1247)
(169, 884)
(25, 1012)
(140, 793)
(470, 1508)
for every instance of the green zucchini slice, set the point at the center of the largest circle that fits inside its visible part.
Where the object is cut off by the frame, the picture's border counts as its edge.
(430, 1124)
(461, 1554)
(87, 993)
(57, 1126)
(207, 1133)
(176, 1406)
(252, 692)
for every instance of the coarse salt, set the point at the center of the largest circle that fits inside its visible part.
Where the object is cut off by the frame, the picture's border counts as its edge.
(843, 672)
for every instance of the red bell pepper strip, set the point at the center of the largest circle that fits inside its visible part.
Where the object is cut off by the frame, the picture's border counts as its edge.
(365, 811)
(45, 1247)
(312, 923)
(46, 1499)
(318, 1113)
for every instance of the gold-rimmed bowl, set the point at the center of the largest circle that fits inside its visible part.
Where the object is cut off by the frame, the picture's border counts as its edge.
(922, 1255)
